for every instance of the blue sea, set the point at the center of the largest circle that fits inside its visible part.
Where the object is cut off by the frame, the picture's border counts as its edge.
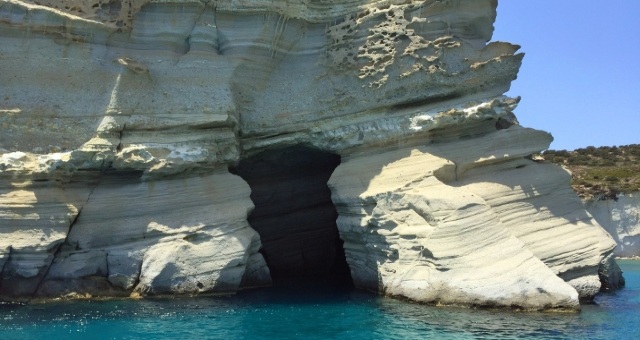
(317, 313)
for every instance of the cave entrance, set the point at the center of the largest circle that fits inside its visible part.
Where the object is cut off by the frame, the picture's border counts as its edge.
(295, 216)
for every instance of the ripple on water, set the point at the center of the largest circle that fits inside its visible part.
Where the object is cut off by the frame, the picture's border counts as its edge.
(318, 314)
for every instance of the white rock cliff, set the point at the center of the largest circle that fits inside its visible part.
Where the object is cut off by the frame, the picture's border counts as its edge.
(121, 121)
(621, 218)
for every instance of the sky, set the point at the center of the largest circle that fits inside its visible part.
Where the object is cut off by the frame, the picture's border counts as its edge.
(580, 78)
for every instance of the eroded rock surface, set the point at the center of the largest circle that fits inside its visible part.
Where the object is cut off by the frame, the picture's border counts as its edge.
(621, 218)
(120, 121)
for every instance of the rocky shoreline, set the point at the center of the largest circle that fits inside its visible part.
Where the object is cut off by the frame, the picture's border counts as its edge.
(194, 147)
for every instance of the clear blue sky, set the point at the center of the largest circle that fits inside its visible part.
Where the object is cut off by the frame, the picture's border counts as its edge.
(580, 78)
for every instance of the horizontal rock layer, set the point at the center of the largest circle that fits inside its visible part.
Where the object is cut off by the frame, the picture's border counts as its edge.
(126, 235)
(621, 218)
(453, 222)
(120, 120)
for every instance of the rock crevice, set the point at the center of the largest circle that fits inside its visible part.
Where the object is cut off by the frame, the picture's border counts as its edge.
(434, 196)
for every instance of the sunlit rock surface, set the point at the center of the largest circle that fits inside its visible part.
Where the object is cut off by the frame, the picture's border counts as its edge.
(621, 218)
(121, 119)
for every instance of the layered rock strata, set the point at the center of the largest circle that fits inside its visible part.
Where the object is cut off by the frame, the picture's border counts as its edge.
(120, 121)
(621, 218)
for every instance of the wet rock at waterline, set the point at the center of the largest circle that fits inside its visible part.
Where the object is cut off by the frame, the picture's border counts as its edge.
(366, 138)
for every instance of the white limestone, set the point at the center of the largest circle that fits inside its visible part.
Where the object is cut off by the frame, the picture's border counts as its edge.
(119, 125)
(436, 228)
(621, 218)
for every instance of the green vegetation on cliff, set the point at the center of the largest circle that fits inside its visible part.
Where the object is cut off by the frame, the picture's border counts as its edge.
(602, 172)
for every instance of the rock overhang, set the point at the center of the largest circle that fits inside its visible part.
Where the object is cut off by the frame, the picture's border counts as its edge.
(180, 90)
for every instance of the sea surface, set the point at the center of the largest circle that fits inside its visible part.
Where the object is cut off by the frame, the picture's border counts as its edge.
(317, 313)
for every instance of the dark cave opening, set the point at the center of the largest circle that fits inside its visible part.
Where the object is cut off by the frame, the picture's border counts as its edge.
(295, 216)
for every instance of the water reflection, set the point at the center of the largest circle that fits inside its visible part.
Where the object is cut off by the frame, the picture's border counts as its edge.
(318, 314)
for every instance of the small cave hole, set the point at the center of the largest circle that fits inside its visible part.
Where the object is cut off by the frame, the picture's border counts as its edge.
(502, 124)
(295, 216)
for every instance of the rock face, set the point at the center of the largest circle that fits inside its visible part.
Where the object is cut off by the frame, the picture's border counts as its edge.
(621, 218)
(122, 119)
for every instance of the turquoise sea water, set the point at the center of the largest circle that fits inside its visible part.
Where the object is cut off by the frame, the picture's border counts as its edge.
(317, 314)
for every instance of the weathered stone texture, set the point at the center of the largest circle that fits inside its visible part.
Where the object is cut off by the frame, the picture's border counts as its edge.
(120, 120)
(621, 218)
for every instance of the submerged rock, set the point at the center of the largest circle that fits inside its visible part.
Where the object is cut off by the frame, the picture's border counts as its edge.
(149, 103)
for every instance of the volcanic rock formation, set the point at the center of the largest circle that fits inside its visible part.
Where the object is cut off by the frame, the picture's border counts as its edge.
(121, 120)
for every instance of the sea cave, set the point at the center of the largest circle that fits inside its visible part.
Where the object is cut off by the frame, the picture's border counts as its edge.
(295, 216)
